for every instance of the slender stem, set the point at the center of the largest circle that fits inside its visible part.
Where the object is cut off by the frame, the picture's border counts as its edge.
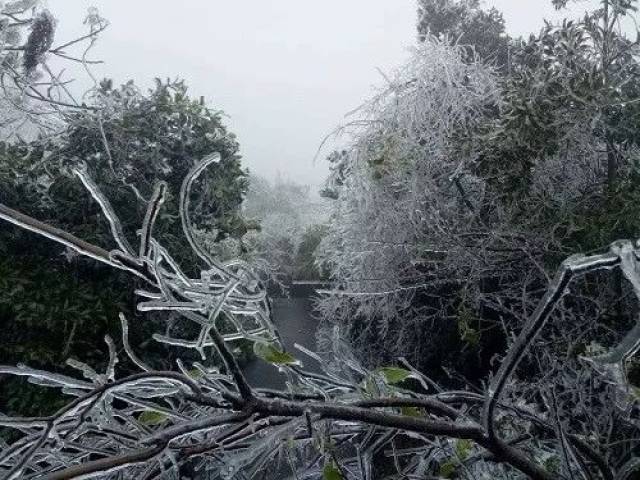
(113, 259)
(233, 367)
(92, 34)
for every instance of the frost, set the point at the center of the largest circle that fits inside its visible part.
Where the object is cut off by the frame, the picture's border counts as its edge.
(397, 207)
(19, 6)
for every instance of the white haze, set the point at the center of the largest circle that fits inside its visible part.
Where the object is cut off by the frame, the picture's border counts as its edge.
(285, 71)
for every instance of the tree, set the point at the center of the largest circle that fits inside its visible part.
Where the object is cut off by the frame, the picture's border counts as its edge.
(565, 148)
(574, 80)
(397, 210)
(148, 424)
(466, 23)
(137, 140)
(286, 214)
(33, 93)
(131, 141)
(527, 177)
(306, 265)
(454, 205)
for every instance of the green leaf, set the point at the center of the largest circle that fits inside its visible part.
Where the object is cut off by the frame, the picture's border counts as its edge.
(463, 447)
(195, 373)
(151, 417)
(411, 411)
(271, 354)
(368, 385)
(472, 337)
(331, 472)
(447, 469)
(552, 464)
(291, 443)
(394, 375)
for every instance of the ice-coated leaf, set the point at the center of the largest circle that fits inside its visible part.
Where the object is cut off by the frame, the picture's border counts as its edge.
(195, 373)
(271, 354)
(150, 417)
(447, 469)
(331, 472)
(394, 375)
(463, 447)
(411, 411)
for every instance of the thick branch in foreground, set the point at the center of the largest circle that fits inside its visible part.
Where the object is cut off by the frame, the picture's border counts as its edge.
(106, 465)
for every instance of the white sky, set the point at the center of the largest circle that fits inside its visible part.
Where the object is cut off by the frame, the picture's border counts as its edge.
(285, 71)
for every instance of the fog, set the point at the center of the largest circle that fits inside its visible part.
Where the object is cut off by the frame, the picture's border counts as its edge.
(284, 71)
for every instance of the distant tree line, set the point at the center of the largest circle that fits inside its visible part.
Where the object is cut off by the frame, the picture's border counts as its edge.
(290, 227)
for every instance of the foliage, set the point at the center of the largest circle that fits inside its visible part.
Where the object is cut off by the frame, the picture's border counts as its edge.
(39, 41)
(394, 375)
(461, 209)
(153, 423)
(571, 84)
(290, 221)
(331, 472)
(154, 137)
(448, 224)
(306, 266)
(34, 93)
(271, 354)
(397, 203)
(48, 315)
(464, 22)
(433, 210)
(141, 139)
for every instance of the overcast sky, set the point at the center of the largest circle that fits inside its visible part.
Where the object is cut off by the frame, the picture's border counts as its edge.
(285, 71)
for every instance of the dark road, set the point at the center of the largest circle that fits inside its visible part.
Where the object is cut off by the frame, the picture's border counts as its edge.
(293, 318)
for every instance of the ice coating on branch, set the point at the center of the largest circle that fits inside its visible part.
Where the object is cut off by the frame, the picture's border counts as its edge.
(626, 252)
(230, 290)
(149, 423)
(154, 207)
(396, 203)
(185, 191)
(612, 364)
(107, 209)
(226, 301)
(151, 399)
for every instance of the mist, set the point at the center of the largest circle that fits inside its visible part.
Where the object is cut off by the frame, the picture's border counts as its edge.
(285, 72)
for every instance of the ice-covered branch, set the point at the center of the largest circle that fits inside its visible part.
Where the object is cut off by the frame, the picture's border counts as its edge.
(147, 424)
(573, 266)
